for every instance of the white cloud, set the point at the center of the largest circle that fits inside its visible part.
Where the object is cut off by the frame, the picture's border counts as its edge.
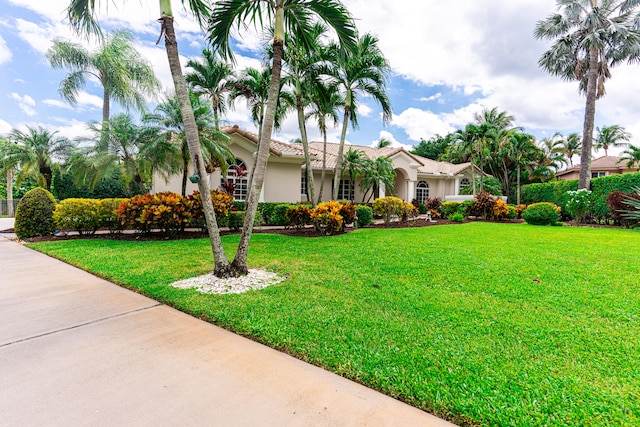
(57, 103)
(25, 102)
(5, 127)
(389, 137)
(364, 110)
(5, 52)
(86, 99)
(419, 123)
(436, 97)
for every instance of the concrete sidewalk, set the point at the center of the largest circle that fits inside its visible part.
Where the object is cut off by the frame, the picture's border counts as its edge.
(78, 350)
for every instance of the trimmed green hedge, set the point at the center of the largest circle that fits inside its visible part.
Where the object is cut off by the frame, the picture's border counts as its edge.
(601, 187)
(34, 214)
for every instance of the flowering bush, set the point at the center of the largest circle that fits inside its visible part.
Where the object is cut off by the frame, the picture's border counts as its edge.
(543, 213)
(326, 217)
(578, 204)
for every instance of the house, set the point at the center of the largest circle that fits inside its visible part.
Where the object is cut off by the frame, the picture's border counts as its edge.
(416, 177)
(602, 166)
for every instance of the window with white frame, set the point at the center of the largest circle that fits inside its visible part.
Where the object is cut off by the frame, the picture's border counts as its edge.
(598, 174)
(346, 190)
(422, 191)
(236, 181)
(303, 185)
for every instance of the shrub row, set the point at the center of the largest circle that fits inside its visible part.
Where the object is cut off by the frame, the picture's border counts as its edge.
(555, 192)
(86, 216)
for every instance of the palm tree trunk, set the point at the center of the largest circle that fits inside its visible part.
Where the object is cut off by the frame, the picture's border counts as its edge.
(343, 136)
(239, 263)
(106, 112)
(324, 161)
(518, 192)
(222, 267)
(185, 168)
(10, 192)
(311, 193)
(589, 118)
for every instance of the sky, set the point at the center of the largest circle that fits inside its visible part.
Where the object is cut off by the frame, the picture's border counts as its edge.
(449, 60)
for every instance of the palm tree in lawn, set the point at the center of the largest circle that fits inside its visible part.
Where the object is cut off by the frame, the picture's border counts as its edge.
(325, 101)
(590, 36)
(376, 172)
(211, 77)
(81, 17)
(353, 163)
(294, 17)
(570, 146)
(302, 57)
(124, 74)
(522, 144)
(611, 136)
(362, 72)
(35, 152)
(167, 117)
(632, 157)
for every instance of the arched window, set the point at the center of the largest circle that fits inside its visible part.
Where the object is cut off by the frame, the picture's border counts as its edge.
(422, 191)
(236, 181)
(464, 183)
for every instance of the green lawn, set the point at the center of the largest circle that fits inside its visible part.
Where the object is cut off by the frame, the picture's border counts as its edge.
(483, 324)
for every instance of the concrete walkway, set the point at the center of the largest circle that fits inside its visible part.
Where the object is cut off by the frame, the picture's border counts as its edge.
(78, 350)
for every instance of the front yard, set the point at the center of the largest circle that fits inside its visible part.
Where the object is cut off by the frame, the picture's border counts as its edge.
(480, 323)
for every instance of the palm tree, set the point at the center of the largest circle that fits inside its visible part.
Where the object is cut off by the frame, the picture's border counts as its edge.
(590, 37)
(302, 56)
(125, 75)
(168, 118)
(211, 77)
(494, 117)
(383, 143)
(80, 14)
(295, 17)
(632, 156)
(611, 136)
(570, 146)
(35, 152)
(362, 72)
(325, 100)
(117, 148)
(553, 151)
(376, 172)
(521, 145)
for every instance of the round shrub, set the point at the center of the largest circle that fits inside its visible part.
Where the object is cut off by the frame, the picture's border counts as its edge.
(34, 215)
(80, 215)
(298, 216)
(327, 218)
(543, 213)
(456, 217)
(364, 215)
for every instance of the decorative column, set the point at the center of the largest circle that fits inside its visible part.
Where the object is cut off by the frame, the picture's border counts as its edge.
(411, 190)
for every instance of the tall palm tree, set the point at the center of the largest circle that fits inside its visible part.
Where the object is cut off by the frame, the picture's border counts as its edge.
(590, 36)
(522, 145)
(81, 17)
(36, 152)
(7, 168)
(632, 156)
(294, 17)
(168, 118)
(570, 146)
(494, 117)
(325, 100)
(302, 57)
(211, 77)
(553, 151)
(362, 72)
(125, 75)
(611, 136)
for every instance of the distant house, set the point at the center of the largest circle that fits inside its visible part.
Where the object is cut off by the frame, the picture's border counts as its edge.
(416, 177)
(602, 166)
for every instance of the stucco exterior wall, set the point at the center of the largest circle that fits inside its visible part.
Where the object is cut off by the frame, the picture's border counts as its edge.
(282, 182)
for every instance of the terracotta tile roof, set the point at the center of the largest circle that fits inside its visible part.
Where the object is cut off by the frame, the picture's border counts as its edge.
(604, 163)
(276, 147)
(427, 166)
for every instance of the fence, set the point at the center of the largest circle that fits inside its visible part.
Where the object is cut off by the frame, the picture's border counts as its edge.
(8, 208)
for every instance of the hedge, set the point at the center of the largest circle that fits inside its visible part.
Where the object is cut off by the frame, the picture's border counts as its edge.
(601, 187)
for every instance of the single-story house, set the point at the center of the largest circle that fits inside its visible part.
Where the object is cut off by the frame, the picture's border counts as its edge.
(602, 166)
(416, 177)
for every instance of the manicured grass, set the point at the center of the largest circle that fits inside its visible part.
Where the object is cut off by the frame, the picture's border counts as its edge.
(482, 324)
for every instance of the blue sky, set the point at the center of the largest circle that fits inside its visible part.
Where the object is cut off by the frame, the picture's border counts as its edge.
(449, 60)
